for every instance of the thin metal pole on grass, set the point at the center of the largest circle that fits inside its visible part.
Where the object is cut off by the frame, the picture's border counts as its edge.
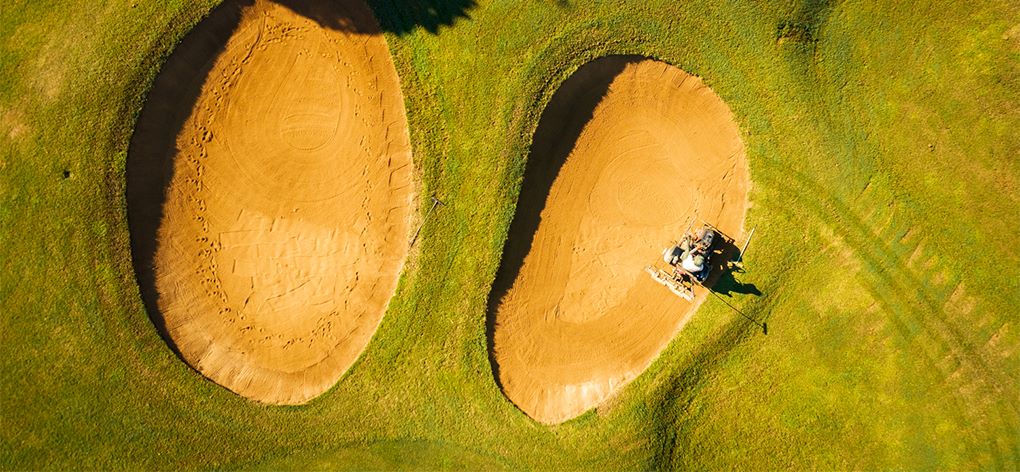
(435, 203)
(740, 257)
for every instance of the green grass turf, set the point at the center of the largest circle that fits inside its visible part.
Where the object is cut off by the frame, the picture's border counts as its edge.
(883, 146)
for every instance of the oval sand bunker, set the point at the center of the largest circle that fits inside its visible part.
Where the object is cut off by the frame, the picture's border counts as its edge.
(269, 192)
(627, 150)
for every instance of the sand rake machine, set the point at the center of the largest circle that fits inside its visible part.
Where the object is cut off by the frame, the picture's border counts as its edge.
(688, 262)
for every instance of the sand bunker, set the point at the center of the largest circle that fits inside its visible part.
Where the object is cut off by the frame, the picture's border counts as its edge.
(626, 152)
(269, 192)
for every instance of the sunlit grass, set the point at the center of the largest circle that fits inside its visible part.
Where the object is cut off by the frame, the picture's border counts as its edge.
(883, 150)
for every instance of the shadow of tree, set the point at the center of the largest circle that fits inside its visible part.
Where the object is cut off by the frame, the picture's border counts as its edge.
(395, 16)
(401, 17)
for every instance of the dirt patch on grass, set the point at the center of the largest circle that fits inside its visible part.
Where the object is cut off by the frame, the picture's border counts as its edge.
(627, 150)
(269, 190)
(12, 123)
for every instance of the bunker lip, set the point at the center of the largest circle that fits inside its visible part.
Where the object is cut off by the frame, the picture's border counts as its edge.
(627, 150)
(265, 247)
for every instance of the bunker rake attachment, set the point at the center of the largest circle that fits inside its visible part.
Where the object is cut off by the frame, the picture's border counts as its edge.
(675, 281)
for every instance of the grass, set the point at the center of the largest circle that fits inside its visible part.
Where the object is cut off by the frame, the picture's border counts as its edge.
(883, 151)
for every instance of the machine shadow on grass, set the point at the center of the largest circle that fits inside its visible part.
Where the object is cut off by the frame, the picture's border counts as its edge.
(727, 284)
(395, 16)
(723, 280)
(571, 107)
(153, 146)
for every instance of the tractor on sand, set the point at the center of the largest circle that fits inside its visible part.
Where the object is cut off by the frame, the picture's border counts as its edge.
(687, 263)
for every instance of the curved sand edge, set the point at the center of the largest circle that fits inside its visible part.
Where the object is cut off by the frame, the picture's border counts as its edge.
(281, 150)
(627, 150)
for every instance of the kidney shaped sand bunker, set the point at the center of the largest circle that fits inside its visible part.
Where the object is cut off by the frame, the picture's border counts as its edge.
(269, 191)
(627, 150)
